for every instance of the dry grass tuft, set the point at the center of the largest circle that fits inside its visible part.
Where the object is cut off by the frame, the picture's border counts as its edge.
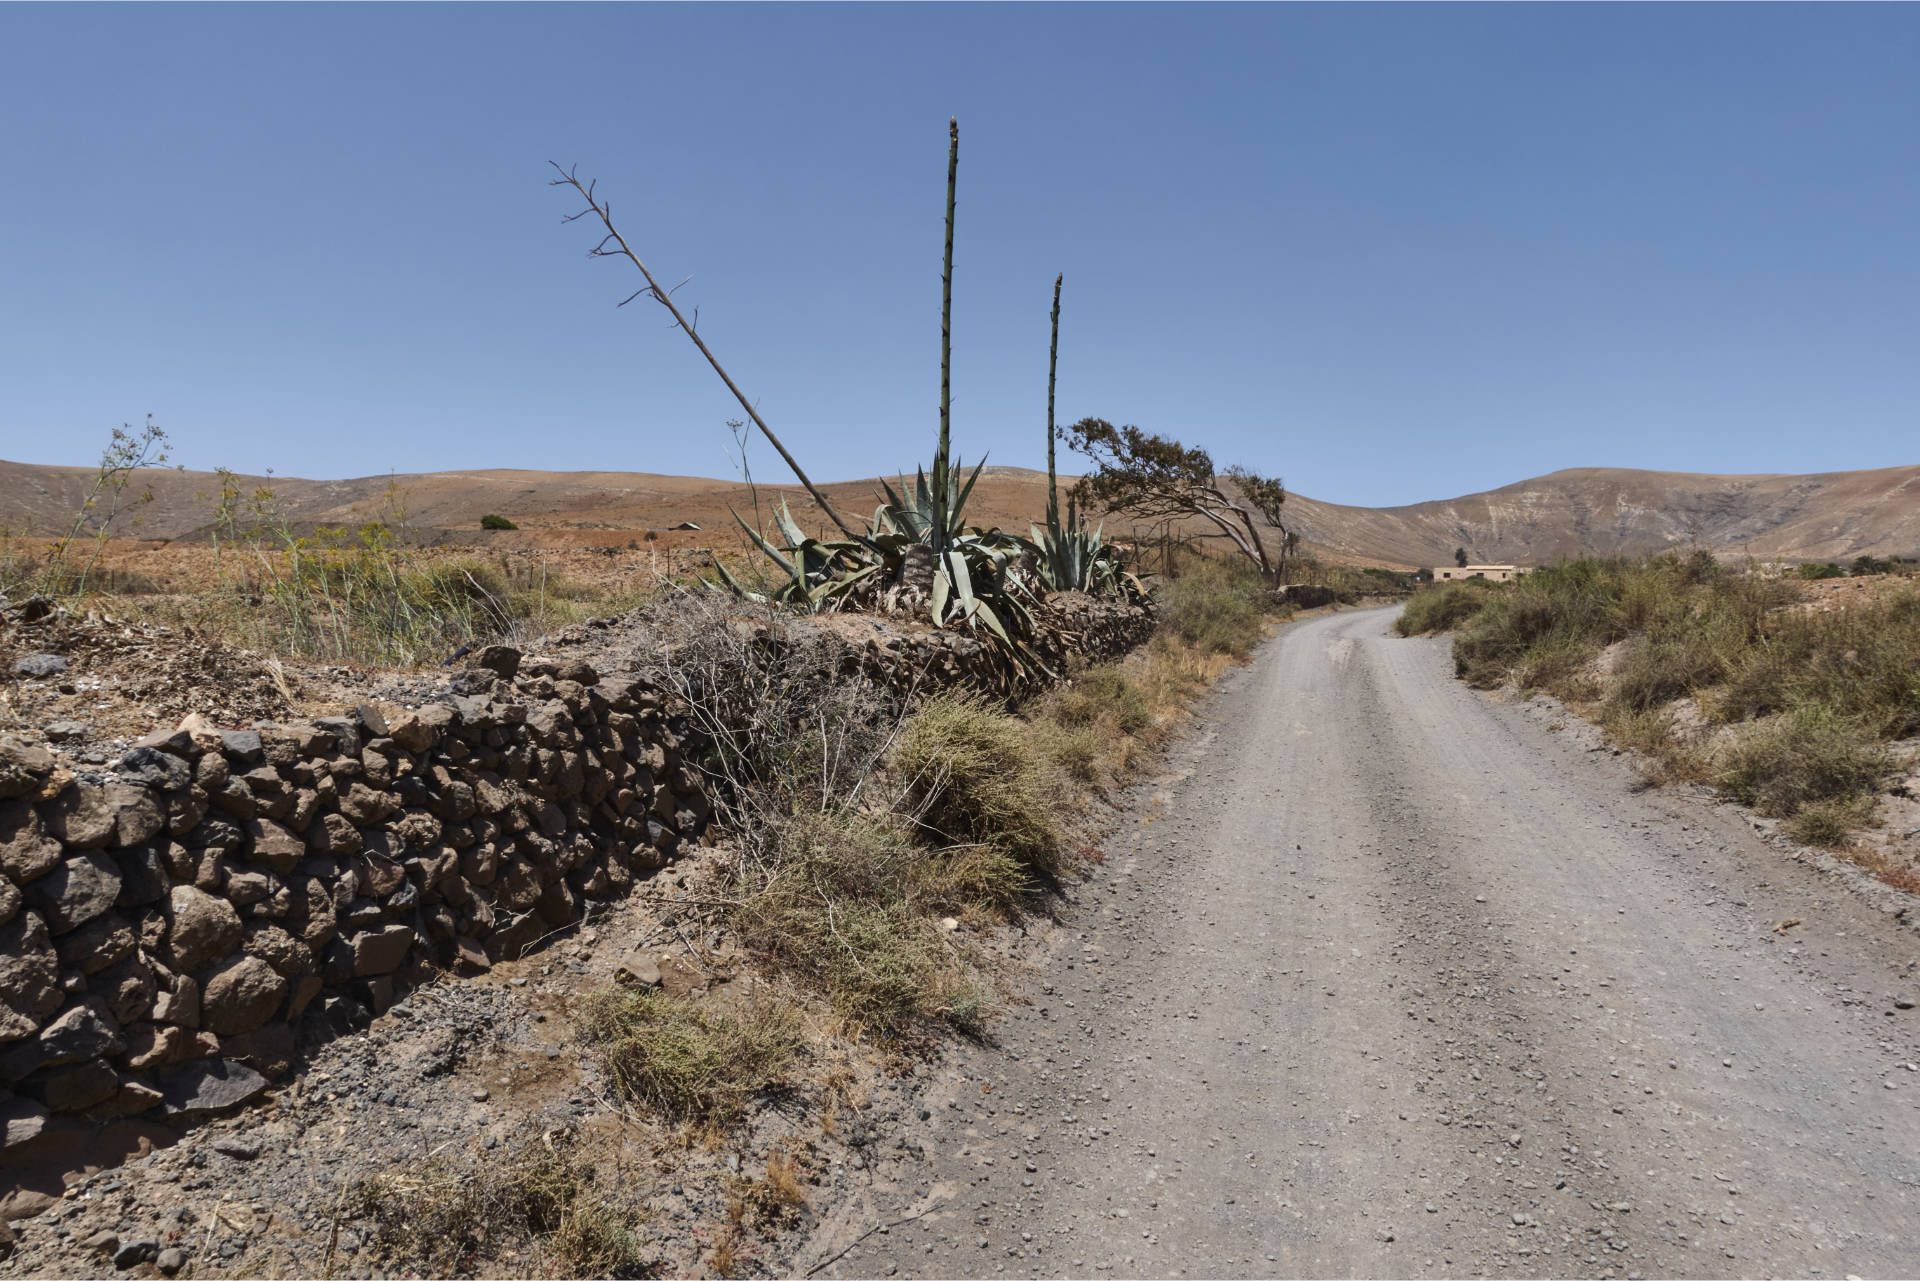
(684, 1063)
(972, 777)
(447, 1222)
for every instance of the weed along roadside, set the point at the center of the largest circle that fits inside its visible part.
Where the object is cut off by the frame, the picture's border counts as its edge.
(1755, 683)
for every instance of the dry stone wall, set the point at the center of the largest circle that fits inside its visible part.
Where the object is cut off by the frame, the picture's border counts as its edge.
(165, 927)
(1070, 625)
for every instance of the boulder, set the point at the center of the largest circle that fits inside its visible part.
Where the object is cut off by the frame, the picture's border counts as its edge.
(27, 849)
(76, 890)
(242, 746)
(200, 928)
(412, 733)
(127, 988)
(29, 976)
(285, 953)
(23, 766)
(137, 813)
(152, 767)
(381, 951)
(363, 807)
(79, 816)
(274, 845)
(333, 836)
(207, 1088)
(69, 1089)
(157, 1045)
(143, 874)
(21, 1121)
(241, 995)
(97, 944)
(86, 1031)
(178, 741)
(180, 1004)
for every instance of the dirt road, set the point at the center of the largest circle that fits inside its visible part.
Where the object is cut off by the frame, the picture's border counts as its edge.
(1388, 978)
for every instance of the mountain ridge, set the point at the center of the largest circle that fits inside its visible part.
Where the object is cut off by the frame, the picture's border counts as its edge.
(1572, 511)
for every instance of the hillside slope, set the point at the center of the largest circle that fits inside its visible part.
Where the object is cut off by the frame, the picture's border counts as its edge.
(1832, 515)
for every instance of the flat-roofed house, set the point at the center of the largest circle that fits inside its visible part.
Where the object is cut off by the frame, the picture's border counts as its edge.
(1492, 573)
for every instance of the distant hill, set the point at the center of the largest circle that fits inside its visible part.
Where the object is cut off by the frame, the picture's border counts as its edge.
(1829, 516)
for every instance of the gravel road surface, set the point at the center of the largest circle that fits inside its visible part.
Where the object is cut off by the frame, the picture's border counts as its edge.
(1390, 978)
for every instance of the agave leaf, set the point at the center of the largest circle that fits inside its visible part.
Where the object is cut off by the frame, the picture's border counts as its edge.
(962, 581)
(960, 502)
(985, 611)
(789, 528)
(771, 552)
(732, 584)
(941, 588)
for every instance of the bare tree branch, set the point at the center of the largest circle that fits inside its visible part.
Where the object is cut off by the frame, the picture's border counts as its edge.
(604, 211)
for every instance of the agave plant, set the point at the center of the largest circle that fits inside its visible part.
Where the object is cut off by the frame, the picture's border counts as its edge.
(821, 575)
(1073, 558)
(936, 512)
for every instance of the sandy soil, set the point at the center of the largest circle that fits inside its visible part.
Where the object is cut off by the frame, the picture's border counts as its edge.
(1390, 978)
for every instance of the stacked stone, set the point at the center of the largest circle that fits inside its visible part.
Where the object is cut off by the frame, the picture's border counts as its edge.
(1069, 624)
(163, 933)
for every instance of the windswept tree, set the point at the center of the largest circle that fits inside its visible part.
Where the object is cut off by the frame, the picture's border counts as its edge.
(1153, 478)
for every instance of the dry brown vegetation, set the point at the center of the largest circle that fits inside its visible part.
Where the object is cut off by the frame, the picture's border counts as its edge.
(545, 1196)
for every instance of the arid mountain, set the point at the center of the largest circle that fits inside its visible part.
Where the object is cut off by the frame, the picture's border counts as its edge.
(1832, 515)
(1828, 516)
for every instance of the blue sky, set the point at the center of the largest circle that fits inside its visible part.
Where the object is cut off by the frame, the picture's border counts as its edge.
(1389, 253)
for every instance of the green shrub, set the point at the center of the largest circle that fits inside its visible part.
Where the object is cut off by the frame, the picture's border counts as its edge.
(1800, 758)
(1214, 605)
(1830, 823)
(1441, 609)
(973, 776)
(838, 911)
(849, 908)
(1103, 695)
(496, 522)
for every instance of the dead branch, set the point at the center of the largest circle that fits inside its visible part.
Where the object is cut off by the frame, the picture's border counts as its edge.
(603, 210)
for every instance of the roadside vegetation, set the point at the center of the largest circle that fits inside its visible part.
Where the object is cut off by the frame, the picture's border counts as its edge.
(870, 839)
(447, 1219)
(1720, 675)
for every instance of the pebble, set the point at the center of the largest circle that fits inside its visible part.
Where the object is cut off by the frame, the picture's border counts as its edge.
(238, 1148)
(482, 1094)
